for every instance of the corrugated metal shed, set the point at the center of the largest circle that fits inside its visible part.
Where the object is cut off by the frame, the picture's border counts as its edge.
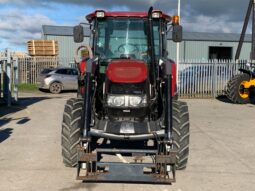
(197, 50)
(189, 36)
(225, 37)
(64, 36)
(195, 45)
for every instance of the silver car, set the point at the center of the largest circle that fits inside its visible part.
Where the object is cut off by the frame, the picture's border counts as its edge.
(59, 79)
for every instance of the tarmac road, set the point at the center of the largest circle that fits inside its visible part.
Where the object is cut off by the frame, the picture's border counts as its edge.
(222, 149)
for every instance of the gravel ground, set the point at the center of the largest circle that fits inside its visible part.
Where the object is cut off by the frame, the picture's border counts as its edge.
(222, 150)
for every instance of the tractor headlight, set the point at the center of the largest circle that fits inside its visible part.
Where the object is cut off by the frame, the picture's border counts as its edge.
(118, 101)
(135, 101)
(127, 101)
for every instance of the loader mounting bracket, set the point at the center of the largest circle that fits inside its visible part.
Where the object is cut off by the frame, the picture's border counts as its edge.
(160, 171)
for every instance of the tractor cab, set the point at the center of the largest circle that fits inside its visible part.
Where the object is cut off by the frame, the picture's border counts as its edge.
(127, 35)
(130, 35)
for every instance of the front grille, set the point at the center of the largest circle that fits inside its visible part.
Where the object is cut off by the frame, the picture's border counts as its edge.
(132, 114)
(128, 88)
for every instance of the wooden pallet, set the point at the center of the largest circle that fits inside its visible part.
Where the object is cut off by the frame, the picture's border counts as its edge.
(43, 48)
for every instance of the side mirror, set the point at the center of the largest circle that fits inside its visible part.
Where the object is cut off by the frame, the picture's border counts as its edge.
(78, 34)
(177, 33)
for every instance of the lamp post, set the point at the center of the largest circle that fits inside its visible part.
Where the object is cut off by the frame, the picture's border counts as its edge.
(178, 45)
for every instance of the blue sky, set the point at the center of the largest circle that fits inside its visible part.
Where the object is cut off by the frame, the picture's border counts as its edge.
(22, 20)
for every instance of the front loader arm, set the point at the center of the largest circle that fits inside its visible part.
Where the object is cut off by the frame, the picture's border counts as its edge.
(87, 97)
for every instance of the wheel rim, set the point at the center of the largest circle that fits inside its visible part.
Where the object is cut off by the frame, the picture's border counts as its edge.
(55, 88)
(243, 92)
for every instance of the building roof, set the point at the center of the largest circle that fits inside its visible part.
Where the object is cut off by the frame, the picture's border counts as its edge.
(187, 36)
(51, 30)
(226, 37)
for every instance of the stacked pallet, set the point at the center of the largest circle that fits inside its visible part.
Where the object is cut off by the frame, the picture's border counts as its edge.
(19, 55)
(42, 48)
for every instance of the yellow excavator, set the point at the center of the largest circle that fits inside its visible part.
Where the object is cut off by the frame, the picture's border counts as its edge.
(241, 88)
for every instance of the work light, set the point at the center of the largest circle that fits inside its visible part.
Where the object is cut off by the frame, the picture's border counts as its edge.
(156, 15)
(100, 14)
(175, 19)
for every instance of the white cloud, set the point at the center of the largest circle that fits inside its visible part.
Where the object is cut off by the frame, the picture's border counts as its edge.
(210, 8)
(202, 23)
(17, 28)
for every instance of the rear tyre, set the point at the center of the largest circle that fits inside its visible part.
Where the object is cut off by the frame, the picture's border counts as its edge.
(235, 90)
(55, 87)
(181, 135)
(71, 131)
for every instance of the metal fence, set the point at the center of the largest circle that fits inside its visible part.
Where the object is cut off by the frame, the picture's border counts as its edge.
(196, 78)
(30, 67)
(206, 79)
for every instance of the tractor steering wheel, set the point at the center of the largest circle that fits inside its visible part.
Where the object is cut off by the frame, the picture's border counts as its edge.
(76, 54)
(123, 47)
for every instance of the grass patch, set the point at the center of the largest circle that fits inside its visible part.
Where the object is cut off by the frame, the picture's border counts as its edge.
(27, 87)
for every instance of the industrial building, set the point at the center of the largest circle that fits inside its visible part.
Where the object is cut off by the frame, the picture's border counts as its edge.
(195, 45)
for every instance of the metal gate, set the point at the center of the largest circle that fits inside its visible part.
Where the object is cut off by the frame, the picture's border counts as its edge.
(8, 79)
(206, 79)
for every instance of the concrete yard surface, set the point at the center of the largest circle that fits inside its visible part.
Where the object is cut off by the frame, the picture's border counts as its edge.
(222, 148)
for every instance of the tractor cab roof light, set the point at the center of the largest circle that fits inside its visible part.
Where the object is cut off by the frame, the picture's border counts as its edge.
(100, 14)
(156, 15)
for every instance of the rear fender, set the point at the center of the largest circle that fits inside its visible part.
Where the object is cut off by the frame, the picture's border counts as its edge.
(83, 66)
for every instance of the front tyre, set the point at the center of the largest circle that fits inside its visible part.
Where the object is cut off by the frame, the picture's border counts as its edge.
(181, 135)
(71, 131)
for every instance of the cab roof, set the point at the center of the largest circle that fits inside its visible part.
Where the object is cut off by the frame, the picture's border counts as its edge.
(91, 16)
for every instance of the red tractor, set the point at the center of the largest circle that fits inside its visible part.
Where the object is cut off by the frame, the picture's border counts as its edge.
(127, 105)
